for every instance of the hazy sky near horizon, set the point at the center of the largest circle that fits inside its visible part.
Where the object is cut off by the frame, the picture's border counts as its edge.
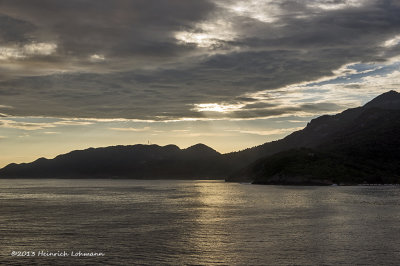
(228, 73)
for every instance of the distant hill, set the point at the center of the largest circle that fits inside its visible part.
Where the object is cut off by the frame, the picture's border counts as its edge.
(360, 145)
(355, 146)
(137, 161)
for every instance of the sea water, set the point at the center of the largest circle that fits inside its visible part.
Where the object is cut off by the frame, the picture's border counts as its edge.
(171, 222)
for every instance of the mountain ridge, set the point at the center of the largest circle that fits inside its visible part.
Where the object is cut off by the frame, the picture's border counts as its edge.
(364, 141)
(353, 133)
(311, 135)
(125, 161)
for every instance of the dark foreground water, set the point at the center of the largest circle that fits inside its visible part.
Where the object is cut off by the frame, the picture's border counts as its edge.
(197, 222)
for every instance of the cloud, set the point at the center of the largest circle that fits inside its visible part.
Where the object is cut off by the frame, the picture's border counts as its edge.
(392, 41)
(269, 132)
(30, 126)
(215, 107)
(194, 59)
(72, 123)
(27, 50)
(97, 58)
(116, 28)
(334, 4)
(24, 125)
(130, 129)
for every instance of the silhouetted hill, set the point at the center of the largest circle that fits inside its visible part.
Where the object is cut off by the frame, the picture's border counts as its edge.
(363, 141)
(356, 145)
(388, 100)
(137, 161)
(302, 167)
(200, 149)
(318, 130)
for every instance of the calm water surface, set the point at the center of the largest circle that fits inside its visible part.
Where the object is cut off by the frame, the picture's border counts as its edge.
(198, 222)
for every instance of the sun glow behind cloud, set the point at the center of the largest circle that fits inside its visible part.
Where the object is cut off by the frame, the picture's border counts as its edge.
(215, 107)
(264, 11)
(392, 42)
(210, 34)
(335, 5)
(27, 50)
(97, 58)
(349, 86)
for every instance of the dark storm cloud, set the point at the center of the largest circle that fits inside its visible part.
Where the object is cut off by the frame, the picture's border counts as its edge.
(267, 111)
(88, 95)
(168, 93)
(141, 70)
(259, 105)
(114, 27)
(354, 27)
(14, 30)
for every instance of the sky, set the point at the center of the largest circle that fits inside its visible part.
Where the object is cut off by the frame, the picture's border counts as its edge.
(231, 74)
